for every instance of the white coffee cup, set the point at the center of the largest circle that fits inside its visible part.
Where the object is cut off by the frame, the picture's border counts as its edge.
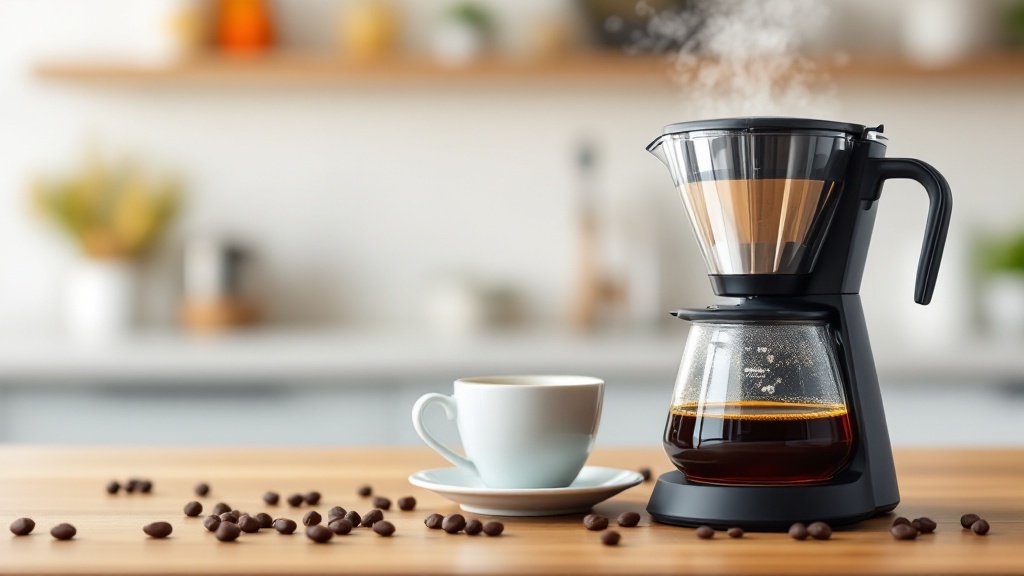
(520, 431)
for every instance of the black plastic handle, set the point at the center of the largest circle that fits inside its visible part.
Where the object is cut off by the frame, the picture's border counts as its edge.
(940, 205)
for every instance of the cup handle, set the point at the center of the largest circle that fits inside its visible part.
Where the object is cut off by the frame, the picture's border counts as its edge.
(448, 403)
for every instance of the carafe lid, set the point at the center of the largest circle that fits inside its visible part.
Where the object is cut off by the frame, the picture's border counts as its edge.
(755, 312)
(759, 123)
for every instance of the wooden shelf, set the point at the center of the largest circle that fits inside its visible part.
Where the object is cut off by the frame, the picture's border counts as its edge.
(287, 69)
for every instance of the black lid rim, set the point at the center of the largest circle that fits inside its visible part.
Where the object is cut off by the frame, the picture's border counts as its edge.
(758, 123)
(726, 314)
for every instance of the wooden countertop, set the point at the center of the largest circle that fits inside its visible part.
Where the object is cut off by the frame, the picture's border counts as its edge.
(56, 484)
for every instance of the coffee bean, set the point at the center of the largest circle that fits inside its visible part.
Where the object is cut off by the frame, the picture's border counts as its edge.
(353, 518)
(23, 526)
(158, 529)
(113, 486)
(296, 500)
(365, 491)
(312, 498)
(63, 531)
(319, 533)
(494, 528)
(433, 521)
(705, 532)
(628, 519)
(237, 513)
(193, 509)
(819, 530)
(924, 525)
(968, 519)
(221, 508)
(145, 486)
(384, 528)
(285, 525)
(453, 523)
(131, 486)
(265, 520)
(610, 538)
(406, 503)
(211, 522)
(980, 527)
(646, 473)
(271, 498)
(371, 518)
(229, 517)
(341, 526)
(595, 522)
(202, 489)
(227, 532)
(903, 532)
(900, 520)
(735, 532)
(381, 502)
(798, 531)
(336, 513)
(248, 524)
(473, 527)
(311, 518)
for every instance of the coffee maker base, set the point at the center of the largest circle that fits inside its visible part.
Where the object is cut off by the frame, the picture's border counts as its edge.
(845, 501)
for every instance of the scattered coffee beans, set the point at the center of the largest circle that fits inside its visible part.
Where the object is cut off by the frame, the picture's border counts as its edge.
(353, 518)
(819, 530)
(595, 522)
(63, 531)
(735, 532)
(705, 532)
(924, 525)
(900, 520)
(113, 486)
(473, 527)
(229, 517)
(646, 473)
(319, 533)
(312, 498)
(968, 519)
(248, 524)
(265, 520)
(336, 513)
(406, 503)
(903, 532)
(453, 523)
(610, 538)
(382, 503)
(211, 522)
(371, 518)
(384, 528)
(227, 532)
(202, 489)
(145, 486)
(296, 500)
(341, 526)
(271, 498)
(221, 508)
(980, 527)
(158, 529)
(494, 528)
(285, 525)
(193, 509)
(798, 531)
(23, 526)
(628, 519)
(433, 521)
(365, 491)
(311, 518)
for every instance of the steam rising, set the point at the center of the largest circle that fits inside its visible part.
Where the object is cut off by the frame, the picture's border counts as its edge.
(742, 57)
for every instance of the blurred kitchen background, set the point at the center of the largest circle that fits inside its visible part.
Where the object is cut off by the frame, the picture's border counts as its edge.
(241, 222)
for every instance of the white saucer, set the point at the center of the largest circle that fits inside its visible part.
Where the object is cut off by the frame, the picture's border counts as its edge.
(594, 484)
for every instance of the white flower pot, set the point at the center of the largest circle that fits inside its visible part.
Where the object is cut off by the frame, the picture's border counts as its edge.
(1003, 304)
(99, 299)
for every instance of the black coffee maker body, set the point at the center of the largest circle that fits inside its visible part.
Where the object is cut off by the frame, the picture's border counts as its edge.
(777, 416)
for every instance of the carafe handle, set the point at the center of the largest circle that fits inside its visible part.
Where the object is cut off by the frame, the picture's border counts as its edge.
(940, 205)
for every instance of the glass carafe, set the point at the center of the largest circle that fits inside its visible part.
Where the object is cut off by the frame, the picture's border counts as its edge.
(759, 403)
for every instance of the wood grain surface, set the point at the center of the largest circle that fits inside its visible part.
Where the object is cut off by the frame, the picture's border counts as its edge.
(57, 484)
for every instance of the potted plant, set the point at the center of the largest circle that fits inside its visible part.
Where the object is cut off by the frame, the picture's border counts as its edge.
(114, 214)
(1002, 272)
(463, 34)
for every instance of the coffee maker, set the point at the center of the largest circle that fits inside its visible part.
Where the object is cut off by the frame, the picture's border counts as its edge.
(777, 415)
